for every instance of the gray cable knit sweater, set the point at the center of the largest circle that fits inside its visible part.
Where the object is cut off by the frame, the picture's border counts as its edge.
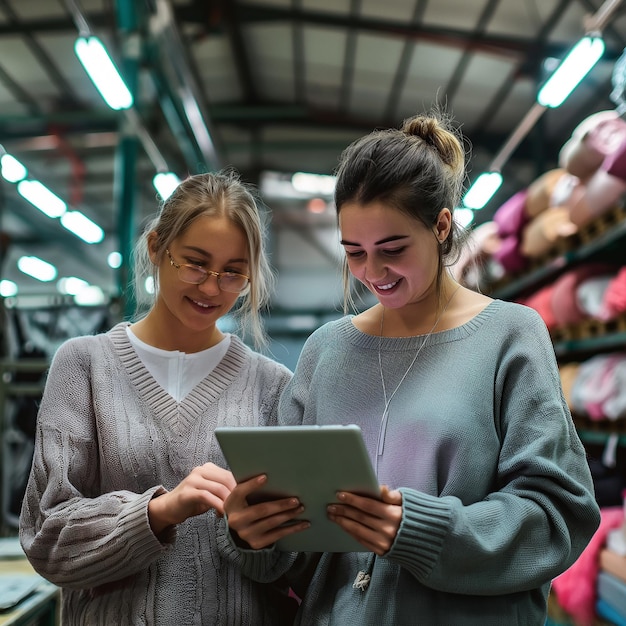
(497, 493)
(108, 439)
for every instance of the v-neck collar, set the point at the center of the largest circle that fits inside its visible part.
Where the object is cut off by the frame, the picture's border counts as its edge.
(178, 416)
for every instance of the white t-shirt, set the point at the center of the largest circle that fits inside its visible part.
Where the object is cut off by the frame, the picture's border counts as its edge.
(177, 372)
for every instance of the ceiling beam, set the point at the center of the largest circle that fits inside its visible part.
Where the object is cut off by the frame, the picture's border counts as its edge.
(477, 34)
(510, 46)
(64, 88)
(172, 63)
(53, 24)
(402, 71)
(231, 20)
(529, 65)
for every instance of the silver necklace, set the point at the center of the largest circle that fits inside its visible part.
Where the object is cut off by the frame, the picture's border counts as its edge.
(383, 422)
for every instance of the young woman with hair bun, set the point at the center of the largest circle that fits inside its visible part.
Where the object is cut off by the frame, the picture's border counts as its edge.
(485, 492)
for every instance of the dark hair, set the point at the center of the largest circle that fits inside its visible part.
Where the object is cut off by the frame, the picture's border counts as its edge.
(219, 194)
(418, 169)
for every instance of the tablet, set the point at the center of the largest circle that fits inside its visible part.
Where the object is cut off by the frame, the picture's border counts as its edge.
(309, 462)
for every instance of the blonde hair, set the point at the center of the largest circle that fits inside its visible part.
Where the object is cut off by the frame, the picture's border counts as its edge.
(219, 194)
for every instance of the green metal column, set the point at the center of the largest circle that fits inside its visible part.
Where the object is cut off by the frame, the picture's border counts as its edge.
(125, 185)
(125, 195)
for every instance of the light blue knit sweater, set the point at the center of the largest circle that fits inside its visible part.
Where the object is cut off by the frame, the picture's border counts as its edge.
(497, 494)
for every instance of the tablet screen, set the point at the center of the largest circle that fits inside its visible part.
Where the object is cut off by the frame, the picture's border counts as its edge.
(312, 463)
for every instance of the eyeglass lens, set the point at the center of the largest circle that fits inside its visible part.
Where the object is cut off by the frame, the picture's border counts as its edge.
(226, 281)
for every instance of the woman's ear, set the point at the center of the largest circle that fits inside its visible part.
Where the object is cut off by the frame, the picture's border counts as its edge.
(443, 224)
(152, 244)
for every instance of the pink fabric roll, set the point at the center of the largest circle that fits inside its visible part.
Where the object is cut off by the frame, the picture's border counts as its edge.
(590, 295)
(540, 191)
(575, 589)
(615, 163)
(614, 302)
(592, 140)
(543, 231)
(511, 218)
(510, 256)
(565, 307)
(615, 406)
(604, 189)
(541, 301)
(608, 135)
(601, 385)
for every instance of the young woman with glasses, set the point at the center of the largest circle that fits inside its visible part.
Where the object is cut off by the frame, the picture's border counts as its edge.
(124, 505)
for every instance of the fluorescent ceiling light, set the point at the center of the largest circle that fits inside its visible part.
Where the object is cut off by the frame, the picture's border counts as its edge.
(315, 184)
(464, 217)
(11, 169)
(90, 296)
(114, 260)
(583, 56)
(37, 268)
(482, 190)
(165, 183)
(71, 285)
(103, 73)
(148, 285)
(42, 198)
(8, 288)
(82, 227)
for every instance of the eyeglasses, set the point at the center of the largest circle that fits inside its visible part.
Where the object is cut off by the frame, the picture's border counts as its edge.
(226, 281)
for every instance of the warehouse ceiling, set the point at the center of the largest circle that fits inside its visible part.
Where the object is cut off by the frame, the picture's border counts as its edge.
(269, 87)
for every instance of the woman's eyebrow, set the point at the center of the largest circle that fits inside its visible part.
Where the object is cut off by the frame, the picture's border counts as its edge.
(344, 242)
(208, 255)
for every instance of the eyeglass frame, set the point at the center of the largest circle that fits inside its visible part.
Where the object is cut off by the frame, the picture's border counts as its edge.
(207, 273)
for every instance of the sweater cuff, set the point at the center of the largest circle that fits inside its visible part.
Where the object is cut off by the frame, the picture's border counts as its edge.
(265, 565)
(424, 527)
(134, 518)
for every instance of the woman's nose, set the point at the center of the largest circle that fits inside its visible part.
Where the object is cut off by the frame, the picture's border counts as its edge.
(374, 270)
(211, 285)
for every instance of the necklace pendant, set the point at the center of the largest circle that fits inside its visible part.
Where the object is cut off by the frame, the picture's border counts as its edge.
(361, 581)
(382, 430)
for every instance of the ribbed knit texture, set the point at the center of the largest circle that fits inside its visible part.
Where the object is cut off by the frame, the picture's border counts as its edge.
(497, 494)
(108, 439)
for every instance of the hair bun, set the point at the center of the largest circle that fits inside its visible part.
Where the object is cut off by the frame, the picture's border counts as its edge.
(437, 132)
(421, 126)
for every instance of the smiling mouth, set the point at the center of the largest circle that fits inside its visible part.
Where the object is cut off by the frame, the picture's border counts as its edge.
(387, 286)
(202, 305)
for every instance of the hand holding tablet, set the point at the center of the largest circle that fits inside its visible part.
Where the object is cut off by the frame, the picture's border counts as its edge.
(311, 463)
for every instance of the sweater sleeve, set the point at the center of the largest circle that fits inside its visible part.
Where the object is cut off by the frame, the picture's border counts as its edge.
(73, 535)
(263, 566)
(269, 565)
(539, 514)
